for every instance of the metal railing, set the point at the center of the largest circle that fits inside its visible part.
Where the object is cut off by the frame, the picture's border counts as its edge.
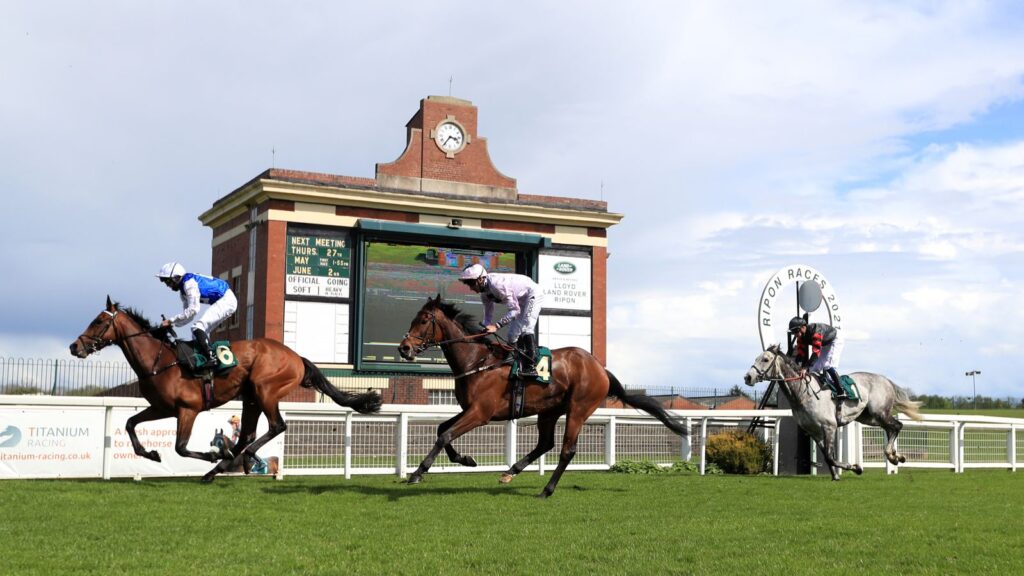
(74, 377)
(69, 377)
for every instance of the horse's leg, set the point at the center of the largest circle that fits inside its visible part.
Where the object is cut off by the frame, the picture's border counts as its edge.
(186, 418)
(148, 414)
(545, 442)
(453, 454)
(276, 426)
(892, 427)
(828, 447)
(247, 432)
(573, 427)
(464, 422)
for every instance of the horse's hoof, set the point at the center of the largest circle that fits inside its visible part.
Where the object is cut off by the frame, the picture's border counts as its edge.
(506, 478)
(414, 479)
(857, 469)
(543, 495)
(468, 461)
(902, 459)
(208, 478)
(153, 455)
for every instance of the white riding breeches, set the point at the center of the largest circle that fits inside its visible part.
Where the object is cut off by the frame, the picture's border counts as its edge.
(217, 313)
(830, 355)
(527, 319)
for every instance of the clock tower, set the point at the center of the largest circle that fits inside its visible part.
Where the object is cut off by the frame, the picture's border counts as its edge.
(444, 155)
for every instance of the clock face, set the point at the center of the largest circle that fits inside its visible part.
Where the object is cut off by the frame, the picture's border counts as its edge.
(449, 137)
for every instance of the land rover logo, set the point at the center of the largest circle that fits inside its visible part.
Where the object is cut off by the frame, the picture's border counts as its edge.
(565, 267)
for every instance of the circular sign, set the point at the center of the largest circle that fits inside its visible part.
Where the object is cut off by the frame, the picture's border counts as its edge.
(768, 307)
(809, 296)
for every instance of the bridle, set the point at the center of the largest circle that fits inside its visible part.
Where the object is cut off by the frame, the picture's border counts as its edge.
(97, 343)
(426, 343)
(774, 366)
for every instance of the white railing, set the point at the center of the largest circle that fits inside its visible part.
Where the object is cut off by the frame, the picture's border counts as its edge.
(59, 436)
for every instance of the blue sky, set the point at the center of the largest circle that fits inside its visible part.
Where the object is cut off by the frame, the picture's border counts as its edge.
(881, 143)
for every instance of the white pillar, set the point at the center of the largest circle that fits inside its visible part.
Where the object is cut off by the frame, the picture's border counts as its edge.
(703, 443)
(401, 444)
(511, 441)
(347, 458)
(609, 441)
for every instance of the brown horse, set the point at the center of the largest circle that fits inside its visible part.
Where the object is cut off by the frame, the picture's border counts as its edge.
(266, 372)
(578, 386)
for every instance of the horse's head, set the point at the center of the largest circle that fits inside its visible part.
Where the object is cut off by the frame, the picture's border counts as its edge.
(100, 333)
(765, 367)
(425, 330)
(112, 325)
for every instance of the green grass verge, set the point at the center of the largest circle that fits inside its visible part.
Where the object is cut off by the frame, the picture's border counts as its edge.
(916, 522)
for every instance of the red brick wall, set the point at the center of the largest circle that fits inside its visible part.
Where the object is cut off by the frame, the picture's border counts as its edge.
(599, 294)
(423, 159)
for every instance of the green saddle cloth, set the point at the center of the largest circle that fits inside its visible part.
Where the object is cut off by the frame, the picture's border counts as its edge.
(543, 365)
(849, 386)
(188, 356)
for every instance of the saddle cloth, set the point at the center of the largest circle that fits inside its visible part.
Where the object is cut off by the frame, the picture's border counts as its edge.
(194, 362)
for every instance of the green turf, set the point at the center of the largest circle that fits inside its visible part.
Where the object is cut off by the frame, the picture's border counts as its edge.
(916, 522)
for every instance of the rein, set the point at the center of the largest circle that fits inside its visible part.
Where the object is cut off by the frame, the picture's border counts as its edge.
(97, 343)
(425, 344)
(776, 366)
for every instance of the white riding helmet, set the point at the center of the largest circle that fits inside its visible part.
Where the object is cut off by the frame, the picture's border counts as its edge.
(171, 270)
(473, 272)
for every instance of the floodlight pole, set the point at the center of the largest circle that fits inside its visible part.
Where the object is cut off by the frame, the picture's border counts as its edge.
(974, 385)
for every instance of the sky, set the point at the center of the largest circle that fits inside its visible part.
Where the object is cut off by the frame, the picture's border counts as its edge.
(881, 143)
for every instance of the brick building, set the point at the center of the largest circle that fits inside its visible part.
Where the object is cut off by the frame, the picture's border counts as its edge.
(337, 266)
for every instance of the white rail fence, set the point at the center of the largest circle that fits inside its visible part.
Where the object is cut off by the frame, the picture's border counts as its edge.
(50, 437)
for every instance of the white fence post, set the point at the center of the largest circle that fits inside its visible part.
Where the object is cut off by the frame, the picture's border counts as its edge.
(511, 441)
(703, 443)
(685, 448)
(401, 444)
(960, 446)
(347, 446)
(775, 447)
(1011, 442)
(609, 442)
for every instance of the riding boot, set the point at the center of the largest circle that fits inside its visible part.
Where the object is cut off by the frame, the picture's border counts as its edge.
(834, 376)
(526, 345)
(203, 347)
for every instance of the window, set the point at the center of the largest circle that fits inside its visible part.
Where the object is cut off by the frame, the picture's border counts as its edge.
(441, 397)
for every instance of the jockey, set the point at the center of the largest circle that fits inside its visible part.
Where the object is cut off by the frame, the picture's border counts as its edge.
(195, 289)
(524, 299)
(826, 346)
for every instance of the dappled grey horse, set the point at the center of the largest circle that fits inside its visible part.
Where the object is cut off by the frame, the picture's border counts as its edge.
(817, 413)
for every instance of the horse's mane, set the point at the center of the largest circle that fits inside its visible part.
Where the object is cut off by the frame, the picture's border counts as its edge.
(789, 360)
(469, 324)
(163, 334)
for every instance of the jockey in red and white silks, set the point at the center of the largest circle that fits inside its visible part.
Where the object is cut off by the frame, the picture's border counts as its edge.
(819, 348)
(521, 295)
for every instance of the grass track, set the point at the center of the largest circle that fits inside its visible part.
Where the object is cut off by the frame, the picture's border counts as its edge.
(917, 522)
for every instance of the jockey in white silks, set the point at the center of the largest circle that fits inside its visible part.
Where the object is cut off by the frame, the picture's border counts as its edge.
(524, 299)
(195, 289)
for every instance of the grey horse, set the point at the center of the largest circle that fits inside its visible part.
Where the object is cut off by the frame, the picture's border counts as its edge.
(817, 413)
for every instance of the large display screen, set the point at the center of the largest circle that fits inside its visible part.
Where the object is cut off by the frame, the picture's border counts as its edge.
(399, 280)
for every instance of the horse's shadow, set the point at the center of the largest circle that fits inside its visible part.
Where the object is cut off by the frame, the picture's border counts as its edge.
(399, 490)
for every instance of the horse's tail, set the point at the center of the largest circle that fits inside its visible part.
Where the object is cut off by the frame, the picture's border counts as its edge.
(904, 404)
(366, 403)
(645, 403)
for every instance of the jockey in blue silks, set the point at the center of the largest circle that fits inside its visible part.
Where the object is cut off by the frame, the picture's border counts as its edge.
(195, 289)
